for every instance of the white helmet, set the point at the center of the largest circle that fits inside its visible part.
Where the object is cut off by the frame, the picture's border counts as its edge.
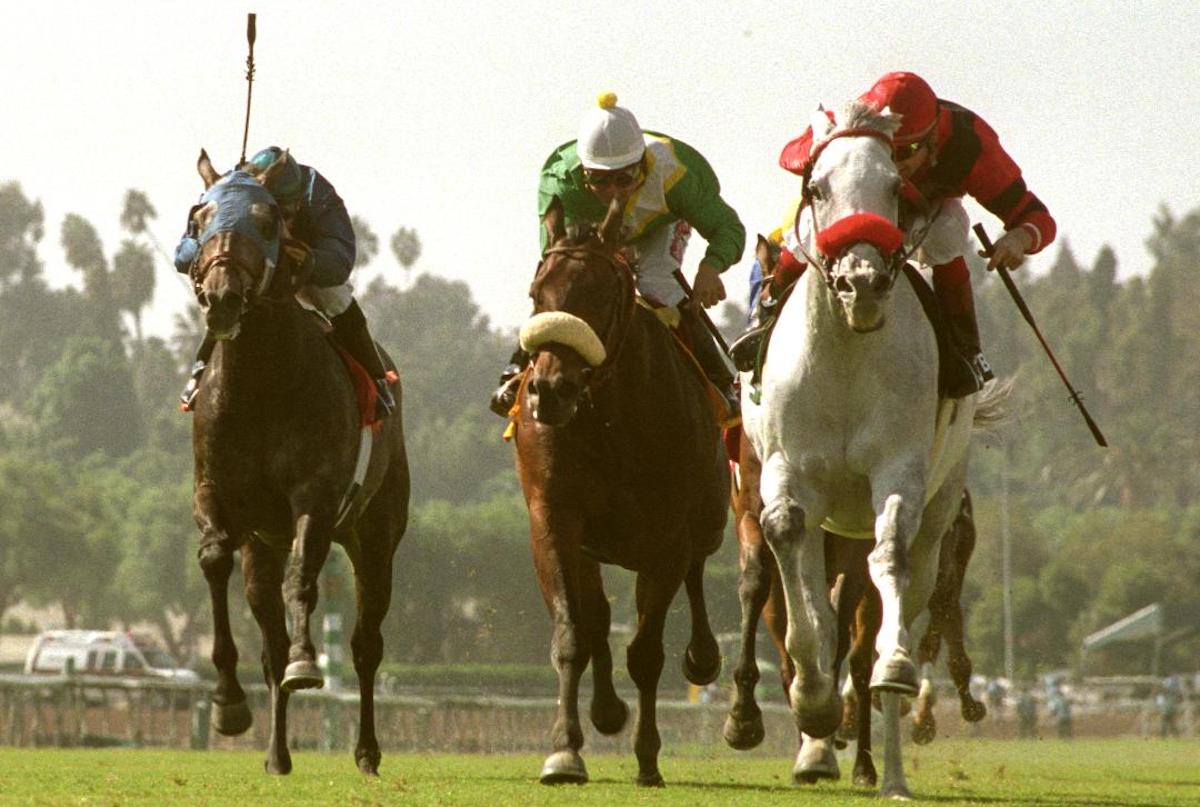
(609, 136)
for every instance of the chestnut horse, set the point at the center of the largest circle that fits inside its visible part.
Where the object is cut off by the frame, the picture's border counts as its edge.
(620, 461)
(277, 436)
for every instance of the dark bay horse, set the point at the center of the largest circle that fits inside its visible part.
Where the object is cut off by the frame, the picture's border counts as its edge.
(857, 606)
(276, 441)
(620, 461)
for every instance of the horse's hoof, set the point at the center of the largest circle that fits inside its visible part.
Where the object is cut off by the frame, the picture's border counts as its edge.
(653, 779)
(924, 732)
(864, 774)
(896, 792)
(895, 674)
(368, 762)
(281, 766)
(302, 675)
(816, 761)
(564, 768)
(231, 719)
(698, 672)
(973, 711)
(742, 735)
(609, 717)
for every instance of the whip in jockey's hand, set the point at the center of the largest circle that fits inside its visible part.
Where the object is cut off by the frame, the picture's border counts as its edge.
(1010, 249)
(708, 288)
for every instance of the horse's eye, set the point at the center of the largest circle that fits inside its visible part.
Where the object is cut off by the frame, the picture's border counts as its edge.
(268, 228)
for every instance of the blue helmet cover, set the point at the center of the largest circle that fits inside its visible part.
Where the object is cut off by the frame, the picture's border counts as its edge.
(234, 195)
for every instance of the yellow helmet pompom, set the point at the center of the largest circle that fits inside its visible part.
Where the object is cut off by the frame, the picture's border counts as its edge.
(606, 100)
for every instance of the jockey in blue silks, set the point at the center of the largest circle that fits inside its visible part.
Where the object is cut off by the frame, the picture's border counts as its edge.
(322, 251)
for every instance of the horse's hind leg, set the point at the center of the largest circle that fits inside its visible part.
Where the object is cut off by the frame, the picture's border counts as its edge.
(300, 590)
(861, 657)
(262, 569)
(702, 659)
(231, 715)
(924, 723)
(608, 712)
(645, 658)
(952, 626)
(373, 586)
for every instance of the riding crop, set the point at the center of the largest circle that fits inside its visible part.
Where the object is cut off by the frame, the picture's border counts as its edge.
(1016, 295)
(251, 34)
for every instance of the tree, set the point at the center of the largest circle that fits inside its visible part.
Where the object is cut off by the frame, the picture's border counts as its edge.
(85, 254)
(406, 246)
(133, 281)
(366, 243)
(86, 402)
(20, 232)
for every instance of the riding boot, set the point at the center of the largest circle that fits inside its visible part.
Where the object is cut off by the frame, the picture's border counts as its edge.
(510, 382)
(711, 358)
(952, 285)
(190, 390)
(745, 349)
(350, 330)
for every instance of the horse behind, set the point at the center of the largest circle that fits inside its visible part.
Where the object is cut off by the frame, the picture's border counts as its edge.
(620, 461)
(851, 431)
(276, 441)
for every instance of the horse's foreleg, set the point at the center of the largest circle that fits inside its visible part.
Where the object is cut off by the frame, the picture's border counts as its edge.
(608, 712)
(231, 715)
(924, 722)
(644, 657)
(890, 567)
(262, 571)
(310, 548)
(559, 565)
(799, 549)
(373, 590)
(744, 726)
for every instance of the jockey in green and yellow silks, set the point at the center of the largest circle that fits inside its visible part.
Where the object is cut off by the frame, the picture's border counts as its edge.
(668, 189)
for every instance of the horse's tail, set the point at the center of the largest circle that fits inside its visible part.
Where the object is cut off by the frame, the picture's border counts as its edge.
(991, 408)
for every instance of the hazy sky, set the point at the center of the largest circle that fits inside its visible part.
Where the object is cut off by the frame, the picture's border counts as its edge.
(438, 115)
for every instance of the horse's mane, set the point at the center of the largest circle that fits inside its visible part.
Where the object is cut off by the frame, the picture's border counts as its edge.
(859, 115)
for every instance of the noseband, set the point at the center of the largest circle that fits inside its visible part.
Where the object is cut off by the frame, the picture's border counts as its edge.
(618, 327)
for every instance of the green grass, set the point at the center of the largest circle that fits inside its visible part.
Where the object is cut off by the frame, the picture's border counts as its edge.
(1097, 773)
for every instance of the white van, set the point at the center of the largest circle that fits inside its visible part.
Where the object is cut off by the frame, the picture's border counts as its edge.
(103, 652)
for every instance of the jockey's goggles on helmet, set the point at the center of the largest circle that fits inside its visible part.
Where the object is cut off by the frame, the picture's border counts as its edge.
(618, 178)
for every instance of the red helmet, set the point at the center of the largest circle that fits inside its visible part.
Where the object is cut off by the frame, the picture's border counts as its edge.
(907, 94)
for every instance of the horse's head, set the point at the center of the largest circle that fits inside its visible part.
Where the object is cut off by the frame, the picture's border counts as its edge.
(238, 227)
(853, 188)
(583, 297)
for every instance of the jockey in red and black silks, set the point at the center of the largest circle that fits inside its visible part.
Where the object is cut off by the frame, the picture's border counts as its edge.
(944, 151)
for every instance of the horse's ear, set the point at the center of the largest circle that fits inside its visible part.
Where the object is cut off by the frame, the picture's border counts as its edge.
(820, 122)
(207, 172)
(762, 251)
(553, 221)
(610, 230)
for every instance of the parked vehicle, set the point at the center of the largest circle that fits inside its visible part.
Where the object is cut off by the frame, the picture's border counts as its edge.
(103, 652)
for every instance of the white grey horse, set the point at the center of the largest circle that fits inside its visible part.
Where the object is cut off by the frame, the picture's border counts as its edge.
(851, 431)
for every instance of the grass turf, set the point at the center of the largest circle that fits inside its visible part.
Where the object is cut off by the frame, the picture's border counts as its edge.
(1097, 773)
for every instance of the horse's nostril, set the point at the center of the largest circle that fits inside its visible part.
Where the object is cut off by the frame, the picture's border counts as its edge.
(843, 285)
(881, 283)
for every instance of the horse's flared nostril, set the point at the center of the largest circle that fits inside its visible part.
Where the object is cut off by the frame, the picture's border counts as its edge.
(881, 284)
(842, 285)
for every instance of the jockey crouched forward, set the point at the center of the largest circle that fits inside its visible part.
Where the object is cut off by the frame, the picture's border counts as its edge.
(323, 250)
(943, 151)
(667, 188)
